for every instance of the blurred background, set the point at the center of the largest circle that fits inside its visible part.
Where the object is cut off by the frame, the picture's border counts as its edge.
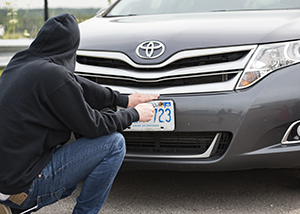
(21, 19)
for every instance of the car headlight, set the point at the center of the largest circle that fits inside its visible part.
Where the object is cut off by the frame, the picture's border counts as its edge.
(268, 58)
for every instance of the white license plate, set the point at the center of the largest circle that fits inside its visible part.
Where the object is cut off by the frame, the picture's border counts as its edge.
(163, 119)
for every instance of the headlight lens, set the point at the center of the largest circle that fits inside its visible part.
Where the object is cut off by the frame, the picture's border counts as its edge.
(268, 58)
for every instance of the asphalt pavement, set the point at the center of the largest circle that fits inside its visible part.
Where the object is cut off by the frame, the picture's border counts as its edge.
(168, 192)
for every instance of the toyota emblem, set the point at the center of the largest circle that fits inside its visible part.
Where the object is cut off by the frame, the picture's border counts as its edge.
(150, 50)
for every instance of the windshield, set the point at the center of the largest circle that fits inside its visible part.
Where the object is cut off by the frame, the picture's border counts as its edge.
(144, 7)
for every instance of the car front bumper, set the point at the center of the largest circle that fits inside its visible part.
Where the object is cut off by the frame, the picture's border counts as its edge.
(257, 118)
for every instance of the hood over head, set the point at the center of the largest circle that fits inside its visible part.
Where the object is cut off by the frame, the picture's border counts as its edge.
(58, 39)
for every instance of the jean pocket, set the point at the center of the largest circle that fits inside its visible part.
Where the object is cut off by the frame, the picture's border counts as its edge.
(50, 198)
(19, 201)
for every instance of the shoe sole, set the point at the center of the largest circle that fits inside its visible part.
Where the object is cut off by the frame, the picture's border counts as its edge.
(4, 209)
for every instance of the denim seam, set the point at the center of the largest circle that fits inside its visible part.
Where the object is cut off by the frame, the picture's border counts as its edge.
(50, 194)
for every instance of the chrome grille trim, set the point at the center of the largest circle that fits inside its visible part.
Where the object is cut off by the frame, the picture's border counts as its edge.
(146, 75)
(178, 64)
(176, 57)
(170, 78)
(198, 88)
(141, 76)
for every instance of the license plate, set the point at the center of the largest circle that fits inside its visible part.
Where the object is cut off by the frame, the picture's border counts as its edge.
(163, 119)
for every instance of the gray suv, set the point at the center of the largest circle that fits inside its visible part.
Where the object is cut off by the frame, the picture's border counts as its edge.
(227, 71)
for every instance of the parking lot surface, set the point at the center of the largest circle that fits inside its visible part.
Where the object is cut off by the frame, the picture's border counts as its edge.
(165, 192)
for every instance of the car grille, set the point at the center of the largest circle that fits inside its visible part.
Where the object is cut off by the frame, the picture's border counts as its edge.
(172, 82)
(186, 68)
(182, 63)
(181, 80)
(175, 143)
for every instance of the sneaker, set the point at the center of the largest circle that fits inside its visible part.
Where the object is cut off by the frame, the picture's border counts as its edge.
(5, 209)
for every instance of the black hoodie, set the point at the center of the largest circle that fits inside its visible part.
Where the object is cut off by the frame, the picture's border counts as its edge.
(42, 101)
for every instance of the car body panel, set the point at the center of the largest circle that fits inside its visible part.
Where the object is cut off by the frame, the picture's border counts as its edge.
(257, 117)
(124, 34)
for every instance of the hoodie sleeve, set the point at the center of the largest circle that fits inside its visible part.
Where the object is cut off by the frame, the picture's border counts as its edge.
(100, 97)
(69, 106)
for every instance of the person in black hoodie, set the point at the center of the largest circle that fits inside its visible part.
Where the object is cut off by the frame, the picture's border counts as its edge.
(42, 102)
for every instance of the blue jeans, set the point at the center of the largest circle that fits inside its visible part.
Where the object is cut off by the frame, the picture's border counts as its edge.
(96, 161)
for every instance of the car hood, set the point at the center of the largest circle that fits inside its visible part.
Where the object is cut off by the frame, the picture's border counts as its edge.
(188, 31)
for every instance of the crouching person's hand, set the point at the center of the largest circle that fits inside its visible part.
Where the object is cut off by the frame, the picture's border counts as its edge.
(146, 112)
(137, 98)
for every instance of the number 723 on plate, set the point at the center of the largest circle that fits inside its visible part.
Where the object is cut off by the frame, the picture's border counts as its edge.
(162, 120)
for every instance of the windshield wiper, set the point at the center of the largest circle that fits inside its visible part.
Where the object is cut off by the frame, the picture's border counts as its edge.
(122, 15)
